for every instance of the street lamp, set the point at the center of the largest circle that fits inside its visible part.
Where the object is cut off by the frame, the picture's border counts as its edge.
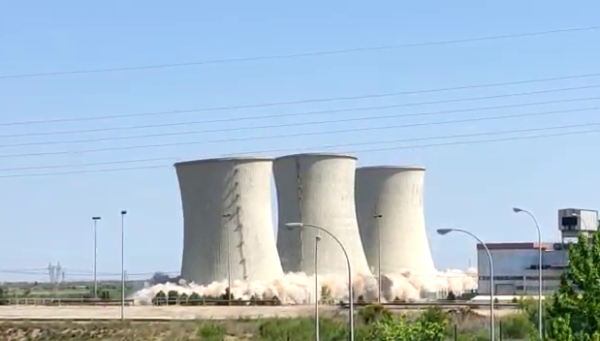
(228, 216)
(377, 217)
(123, 213)
(317, 240)
(95, 219)
(540, 272)
(349, 265)
(442, 232)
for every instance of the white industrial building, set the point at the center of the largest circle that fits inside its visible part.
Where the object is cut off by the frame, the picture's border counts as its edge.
(228, 229)
(516, 264)
(318, 189)
(389, 205)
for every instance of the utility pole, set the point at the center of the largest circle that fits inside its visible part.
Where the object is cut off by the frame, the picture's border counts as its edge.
(95, 220)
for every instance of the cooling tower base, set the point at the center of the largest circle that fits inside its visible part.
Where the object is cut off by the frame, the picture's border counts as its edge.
(297, 288)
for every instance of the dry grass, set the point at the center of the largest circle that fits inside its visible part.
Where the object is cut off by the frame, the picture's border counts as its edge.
(467, 322)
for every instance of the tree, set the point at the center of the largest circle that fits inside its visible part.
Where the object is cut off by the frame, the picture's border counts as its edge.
(574, 312)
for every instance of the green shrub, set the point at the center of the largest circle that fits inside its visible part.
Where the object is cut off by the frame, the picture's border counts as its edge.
(516, 326)
(372, 313)
(211, 332)
(434, 315)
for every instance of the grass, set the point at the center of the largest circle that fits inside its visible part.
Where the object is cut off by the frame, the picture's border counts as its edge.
(469, 327)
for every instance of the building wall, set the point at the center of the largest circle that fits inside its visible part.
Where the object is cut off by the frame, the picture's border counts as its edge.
(516, 273)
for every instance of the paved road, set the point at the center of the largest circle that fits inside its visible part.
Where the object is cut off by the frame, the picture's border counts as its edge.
(166, 313)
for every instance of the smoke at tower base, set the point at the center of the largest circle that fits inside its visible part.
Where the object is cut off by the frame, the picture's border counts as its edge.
(298, 288)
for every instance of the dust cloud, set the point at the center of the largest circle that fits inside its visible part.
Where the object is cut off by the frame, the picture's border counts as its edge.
(298, 288)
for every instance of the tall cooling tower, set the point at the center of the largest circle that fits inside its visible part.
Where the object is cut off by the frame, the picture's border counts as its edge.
(389, 206)
(227, 213)
(318, 189)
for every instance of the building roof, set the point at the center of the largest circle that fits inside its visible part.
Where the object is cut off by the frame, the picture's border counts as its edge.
(516, 246)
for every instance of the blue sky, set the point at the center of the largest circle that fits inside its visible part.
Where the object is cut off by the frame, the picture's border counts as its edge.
(473, 186)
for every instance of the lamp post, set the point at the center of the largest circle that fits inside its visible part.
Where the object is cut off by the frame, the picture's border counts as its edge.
(377, 217)
(540, 272)
(123, 213)
(442, 232)
(95, 220)
(317, 332)
(349, 265)
(228, 216)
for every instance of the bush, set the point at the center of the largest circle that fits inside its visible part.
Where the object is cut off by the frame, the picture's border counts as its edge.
(516, 326)
(451, 296)
(194, 299)
(434, 315)
(159, 299)
(172, 297)
(373, 313)
(402, 329)
(211, 332)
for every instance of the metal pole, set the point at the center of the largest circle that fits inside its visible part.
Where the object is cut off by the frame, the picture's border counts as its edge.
(491, 265)
(228, 215)
(377, 216)
(349, 265)
(123, 213)
(95, 219)
(540, 272)
(317, 332)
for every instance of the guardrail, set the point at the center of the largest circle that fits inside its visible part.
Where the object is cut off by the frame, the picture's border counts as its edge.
(65, 301)
(441, 304)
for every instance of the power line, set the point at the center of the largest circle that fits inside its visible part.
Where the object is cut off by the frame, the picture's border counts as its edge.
(296, 55)
(88, 164)
(333, 146)
(306, 113)
(309, 123)
(477, 119)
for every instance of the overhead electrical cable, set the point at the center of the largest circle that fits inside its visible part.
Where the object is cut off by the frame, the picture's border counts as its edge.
(301, 114)
(517, 131)
(296, 55)
(160, 145)
(308, 123)
(355, 151)
(298, 102)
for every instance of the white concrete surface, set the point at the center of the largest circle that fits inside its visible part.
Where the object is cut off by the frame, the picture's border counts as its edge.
(395, 193)
(318, 189)
(227, 211)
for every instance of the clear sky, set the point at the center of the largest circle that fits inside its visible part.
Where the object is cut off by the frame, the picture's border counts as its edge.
(48, 218)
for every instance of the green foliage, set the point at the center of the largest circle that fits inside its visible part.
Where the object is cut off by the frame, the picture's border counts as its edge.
(160, 298)
(211, 332)
(574, 312)
(401, 329)
(3, 294)
(302, 329)
(434, 315)
(194, 299)
(517, 327)
(372, 313)
(172, 297)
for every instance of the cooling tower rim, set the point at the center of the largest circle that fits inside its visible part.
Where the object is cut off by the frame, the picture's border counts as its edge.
(324, 155)
(224, 159)
(408, 167)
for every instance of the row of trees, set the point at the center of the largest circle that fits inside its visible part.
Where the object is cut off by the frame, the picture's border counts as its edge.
(174, 298)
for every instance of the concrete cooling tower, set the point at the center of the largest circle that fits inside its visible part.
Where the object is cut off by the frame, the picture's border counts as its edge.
(389, 205)
(228, 220)
(318, 189)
